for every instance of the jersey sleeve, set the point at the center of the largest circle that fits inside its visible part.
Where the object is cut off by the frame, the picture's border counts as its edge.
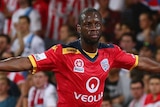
(124, 60)
(45, 61)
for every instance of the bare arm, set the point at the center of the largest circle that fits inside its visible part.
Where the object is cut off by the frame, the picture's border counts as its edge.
(21, 44)
(148, 65)
(16, 64)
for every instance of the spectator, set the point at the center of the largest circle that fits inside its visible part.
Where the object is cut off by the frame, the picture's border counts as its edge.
(146, 77)
(5, 99)
(137, 90)
(153, 99)
(110, 18)
(66, 31)
(147, 34)
(8, 7)
(120, 29)
(147, 50)
(32, 43)
(58, 12)
(132, 12)
(26, 10)
(117, 33)
(42, 93)
(128, 43)
(106, 101)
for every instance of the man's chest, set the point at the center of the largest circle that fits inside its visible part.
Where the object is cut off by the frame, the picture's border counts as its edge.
(80, 64)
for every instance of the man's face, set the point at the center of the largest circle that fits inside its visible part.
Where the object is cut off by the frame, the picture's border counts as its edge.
(137, 90)
(90, 27)
(144, 21)
(23, 25)
(154, 86)
(3, 87)
(126, 43)
(40, 79)
(3, 44)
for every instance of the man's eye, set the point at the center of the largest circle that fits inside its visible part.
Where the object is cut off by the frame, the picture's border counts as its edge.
(98, 24)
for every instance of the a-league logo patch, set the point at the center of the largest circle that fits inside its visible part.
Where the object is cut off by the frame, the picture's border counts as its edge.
(39, 57)
(105, 64)
(78, 66)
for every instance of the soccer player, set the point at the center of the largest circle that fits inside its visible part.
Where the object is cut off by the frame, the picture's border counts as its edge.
(81, 67)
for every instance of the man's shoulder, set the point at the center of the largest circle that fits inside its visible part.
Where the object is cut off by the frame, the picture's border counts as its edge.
(51, 87)
(71, 48)
(106, 46)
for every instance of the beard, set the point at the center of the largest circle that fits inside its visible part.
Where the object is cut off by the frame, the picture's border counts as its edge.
(91, 41)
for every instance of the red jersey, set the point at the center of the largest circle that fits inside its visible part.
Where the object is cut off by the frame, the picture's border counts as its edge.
(149, 102)
(80, 79)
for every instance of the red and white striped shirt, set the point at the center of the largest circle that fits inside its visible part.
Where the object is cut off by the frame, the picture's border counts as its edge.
(58, 12)
(16, 77)
(11, 6)
(45, 97)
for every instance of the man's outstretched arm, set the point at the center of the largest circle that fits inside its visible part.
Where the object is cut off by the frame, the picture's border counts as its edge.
(148, 65)
(16, 64)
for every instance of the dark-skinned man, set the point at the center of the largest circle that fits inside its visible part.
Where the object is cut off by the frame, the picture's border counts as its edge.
(81, 67)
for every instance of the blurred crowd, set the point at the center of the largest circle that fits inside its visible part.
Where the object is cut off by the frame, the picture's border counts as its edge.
(33, 26)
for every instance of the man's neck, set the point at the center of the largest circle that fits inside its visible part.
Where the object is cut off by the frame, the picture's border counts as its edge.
(25, 33)
(3, 97)
(137, 99)
(154, 97)
(91, 48)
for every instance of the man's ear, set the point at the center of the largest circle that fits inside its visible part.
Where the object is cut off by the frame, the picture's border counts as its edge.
(78, 28)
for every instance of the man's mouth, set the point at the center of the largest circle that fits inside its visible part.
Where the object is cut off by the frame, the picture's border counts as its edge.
(94, 35)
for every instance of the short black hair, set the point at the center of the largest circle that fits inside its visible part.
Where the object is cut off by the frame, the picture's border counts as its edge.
(154, 76)
(87, 10)
(148, 14)
(25, 17)
(8, 39)
(133, 81)
(129, 34)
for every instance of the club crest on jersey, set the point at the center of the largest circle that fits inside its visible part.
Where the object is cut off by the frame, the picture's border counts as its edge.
(105, 65)
(78, 66)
